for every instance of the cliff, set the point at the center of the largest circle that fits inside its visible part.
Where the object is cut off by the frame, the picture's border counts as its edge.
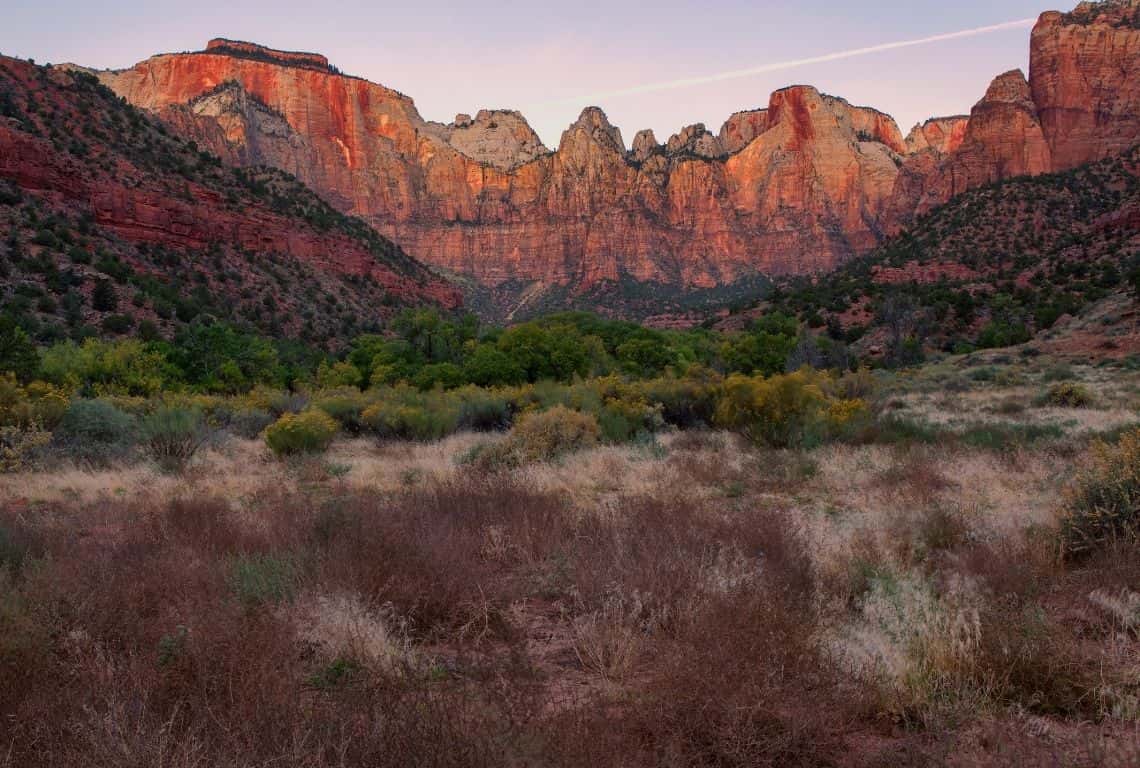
(1085, 79)
(1081, 103)
(483, 197)
(799, 186)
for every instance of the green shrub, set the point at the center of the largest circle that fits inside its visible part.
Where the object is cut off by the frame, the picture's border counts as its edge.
(482, 410)
(685, 403)
(37, 405)
(262, 579)
(344, 404)
(13, 552)
(1067, 394)
(1060, 372)
(621, 421)
(95, 430)
(118, 323)
(409, 422)
(785, 411)
(310, 431)
(340, 671)
(1000, 437)
(554, 433)
(404, 413)
(1103, 504)
(173, 435)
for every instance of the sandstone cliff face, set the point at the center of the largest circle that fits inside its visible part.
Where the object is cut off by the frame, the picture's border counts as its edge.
(806, 181)
(798, 186)
(741, 128)
(942, 134)
(1085, 76)
(1002, 139)
(1081, 103)
(125, 192)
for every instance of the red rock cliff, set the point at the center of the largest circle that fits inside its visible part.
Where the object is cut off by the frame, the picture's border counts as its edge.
(493, 203)
(1081, 103)
(799, 186)
(1085, 77)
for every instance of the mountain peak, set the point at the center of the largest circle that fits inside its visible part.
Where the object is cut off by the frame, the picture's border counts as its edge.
(593, 121)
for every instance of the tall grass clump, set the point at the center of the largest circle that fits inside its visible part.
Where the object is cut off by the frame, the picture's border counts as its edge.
(1103, 504)
(293, 434)
(174, 435)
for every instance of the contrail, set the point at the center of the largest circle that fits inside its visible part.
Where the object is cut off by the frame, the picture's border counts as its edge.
(775, 67)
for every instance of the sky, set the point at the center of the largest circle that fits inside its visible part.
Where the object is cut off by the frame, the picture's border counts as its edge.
(551, 60)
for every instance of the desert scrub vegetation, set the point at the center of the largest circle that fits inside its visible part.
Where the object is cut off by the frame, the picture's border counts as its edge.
(553, 433)
(1067, 394)
(706, 599)
(1103, 507)
(173, 436)
(310, 431)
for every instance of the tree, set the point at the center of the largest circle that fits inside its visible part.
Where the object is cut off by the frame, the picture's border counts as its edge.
(645, 356)
(489, 366)
(17, 353)
(104, 298)
(906, 330)
(555, 353)
(219, 358)
(342, 374)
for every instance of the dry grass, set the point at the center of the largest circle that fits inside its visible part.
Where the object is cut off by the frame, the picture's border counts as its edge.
(696, 602)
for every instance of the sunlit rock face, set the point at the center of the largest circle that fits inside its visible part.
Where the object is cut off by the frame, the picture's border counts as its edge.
(942, 134)
(1084, 74)
(799, 186)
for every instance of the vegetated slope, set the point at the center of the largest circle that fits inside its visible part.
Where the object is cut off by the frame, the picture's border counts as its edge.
(108, 220)
(994, 265)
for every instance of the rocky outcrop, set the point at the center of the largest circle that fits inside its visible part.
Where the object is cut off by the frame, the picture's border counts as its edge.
(500, 138)
(644, 146)
(741, 128)
(695, 141)
(942, 134)
(255, 51)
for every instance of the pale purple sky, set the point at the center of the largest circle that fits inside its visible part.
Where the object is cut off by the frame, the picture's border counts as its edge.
(550, 60)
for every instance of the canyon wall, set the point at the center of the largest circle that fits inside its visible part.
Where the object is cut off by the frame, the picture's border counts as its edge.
(799, 186)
